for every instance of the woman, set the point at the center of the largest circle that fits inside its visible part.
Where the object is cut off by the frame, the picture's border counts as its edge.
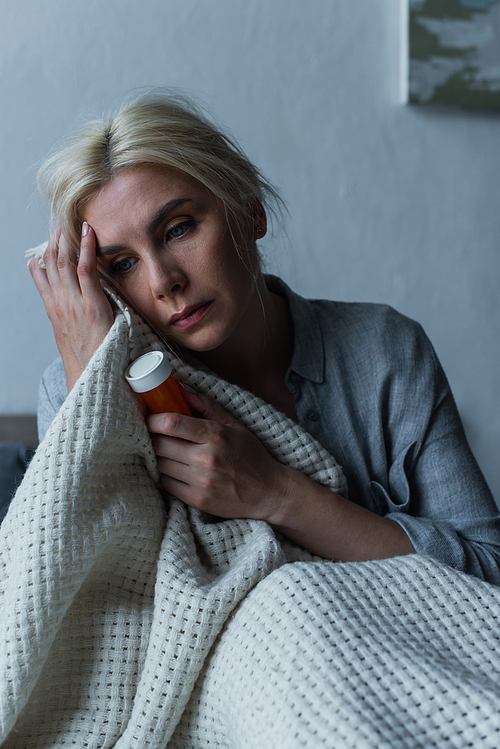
(169, 210)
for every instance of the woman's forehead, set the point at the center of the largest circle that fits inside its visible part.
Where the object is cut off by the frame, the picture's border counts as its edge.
(139, 189)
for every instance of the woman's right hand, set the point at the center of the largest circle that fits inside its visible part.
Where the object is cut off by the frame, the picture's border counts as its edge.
(78, 308)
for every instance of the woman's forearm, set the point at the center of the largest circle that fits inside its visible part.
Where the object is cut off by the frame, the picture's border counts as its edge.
(333, 527)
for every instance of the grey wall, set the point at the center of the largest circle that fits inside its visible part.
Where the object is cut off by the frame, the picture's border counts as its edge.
(387, 203)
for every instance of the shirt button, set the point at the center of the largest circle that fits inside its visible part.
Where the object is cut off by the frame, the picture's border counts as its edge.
(312, 415)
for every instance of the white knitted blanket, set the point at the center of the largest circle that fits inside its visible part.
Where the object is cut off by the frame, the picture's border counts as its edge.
(132, 621)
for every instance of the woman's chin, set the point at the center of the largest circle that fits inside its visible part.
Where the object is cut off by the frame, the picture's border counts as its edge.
(198, 341)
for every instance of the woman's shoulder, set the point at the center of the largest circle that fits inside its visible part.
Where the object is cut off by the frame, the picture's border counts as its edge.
(366, 329)
(357, 331)
(365, 319)
(354, 323)
(360, 318)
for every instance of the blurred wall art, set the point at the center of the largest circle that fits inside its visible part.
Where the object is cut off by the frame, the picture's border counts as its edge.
(452, 50)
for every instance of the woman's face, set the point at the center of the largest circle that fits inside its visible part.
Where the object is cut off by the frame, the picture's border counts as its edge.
(165, 239)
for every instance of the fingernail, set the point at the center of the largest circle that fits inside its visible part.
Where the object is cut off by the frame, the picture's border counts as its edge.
(186, 387)
(85, 229)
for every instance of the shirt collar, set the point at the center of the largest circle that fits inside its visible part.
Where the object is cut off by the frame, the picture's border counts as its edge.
(308, 350)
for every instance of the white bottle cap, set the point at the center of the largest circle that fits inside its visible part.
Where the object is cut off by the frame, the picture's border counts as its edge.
(148, 371)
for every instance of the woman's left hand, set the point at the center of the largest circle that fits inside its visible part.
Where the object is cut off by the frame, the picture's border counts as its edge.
(216, 464)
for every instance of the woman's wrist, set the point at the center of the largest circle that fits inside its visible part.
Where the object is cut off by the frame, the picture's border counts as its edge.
(333, 527)
(292, 492)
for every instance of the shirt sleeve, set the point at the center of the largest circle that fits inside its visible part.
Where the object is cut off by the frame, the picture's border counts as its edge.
(52, 393)
(435, 489)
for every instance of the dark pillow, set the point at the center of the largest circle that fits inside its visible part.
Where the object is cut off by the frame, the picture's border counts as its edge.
(14, 459)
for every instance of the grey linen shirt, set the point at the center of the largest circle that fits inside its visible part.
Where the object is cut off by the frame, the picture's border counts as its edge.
(368, 386)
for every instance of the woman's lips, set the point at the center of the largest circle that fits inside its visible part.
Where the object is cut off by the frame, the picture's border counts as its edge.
(190, 315)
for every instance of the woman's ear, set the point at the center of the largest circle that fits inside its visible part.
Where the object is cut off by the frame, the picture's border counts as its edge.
(259, 219)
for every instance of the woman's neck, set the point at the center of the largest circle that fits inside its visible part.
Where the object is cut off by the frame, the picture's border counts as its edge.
(258, 358)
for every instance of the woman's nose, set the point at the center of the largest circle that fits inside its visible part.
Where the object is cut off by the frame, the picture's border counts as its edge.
(163, 281)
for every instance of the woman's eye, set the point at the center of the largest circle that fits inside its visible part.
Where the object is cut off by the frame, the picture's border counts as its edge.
(178, 230)
(122, 266)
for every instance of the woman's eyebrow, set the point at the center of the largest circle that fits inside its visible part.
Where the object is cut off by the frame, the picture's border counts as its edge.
(157, 220)
(162, 213)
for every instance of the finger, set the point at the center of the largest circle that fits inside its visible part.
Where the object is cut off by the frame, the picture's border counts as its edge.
(87, 265)
(209, 409)
(60, 263)
(178, 489)
(39, 276)
(171, 448)
(173, 469)
(50, 258)
(66, 266)
(182, 427)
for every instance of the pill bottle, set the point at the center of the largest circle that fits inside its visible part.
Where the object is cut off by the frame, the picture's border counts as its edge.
(151, 377)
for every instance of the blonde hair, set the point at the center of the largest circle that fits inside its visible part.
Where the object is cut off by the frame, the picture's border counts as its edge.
(156, 128)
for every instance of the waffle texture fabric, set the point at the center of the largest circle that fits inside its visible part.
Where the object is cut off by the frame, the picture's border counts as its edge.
(129, 620)
(393, 654)
(111, 594)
